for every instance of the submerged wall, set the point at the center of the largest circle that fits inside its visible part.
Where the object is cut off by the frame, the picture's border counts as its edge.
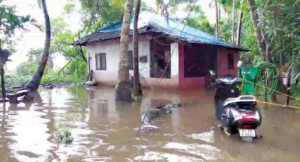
(111, 48)
(222, 67)
(186, 82)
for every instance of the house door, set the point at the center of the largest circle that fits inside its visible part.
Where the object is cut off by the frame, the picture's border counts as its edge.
(198, 60)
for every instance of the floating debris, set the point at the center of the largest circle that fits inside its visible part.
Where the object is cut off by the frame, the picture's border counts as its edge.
(64, 137)
(206, 136)
(153, 113)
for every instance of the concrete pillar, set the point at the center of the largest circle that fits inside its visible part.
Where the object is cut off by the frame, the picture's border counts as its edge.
(174, 60)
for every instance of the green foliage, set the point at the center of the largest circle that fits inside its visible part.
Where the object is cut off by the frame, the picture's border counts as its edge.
(9, 21)
(225, 29)
(39, 2)
(280, 20)
(98, 13)
(267, 78)
(200, 23)
(74, 72)
(295, 90)
(62, 43)
(228, 4)
(26, 68)
(197, 19)
(50, 76)
(69, 7)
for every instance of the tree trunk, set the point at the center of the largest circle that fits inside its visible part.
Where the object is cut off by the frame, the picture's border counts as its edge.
(137, 90)
(35, 82)
(217, 18)
(158, 9)
(2, 83)
(164, 9)
(288, 87)
(3, 58)
(123, 87)
(238, 37)
(233, 22)
(259, 34)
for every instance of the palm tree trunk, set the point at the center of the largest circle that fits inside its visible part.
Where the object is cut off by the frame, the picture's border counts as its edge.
(259, 35)
(233, 22)
(238, 37)
(35, 82)
(123, 87)
(137, 89)
(2, 83)
(164, 9)
(239, 29)
(217, 18)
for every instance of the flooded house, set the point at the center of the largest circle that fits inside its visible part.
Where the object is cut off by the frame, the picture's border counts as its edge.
(171, 54)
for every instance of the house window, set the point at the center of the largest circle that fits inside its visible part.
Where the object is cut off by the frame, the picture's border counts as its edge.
(130, 60)
(230, 61)
(143, 59)
(100, 61)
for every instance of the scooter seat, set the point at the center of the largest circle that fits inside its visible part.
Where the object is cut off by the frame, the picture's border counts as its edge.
(229, 100)
(242, 98)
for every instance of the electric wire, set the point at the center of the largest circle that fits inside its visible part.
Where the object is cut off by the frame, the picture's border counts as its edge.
(173, 50)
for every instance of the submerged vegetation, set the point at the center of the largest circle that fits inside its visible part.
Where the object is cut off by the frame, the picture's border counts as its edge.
(63, 137)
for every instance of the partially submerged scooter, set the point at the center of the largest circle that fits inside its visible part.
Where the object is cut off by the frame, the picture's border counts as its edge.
(236, 113)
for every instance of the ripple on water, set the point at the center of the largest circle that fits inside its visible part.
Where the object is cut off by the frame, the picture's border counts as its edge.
(206, 136)
(98, 159)
(207, 152)
(160, 156)
(29, 136)
(105, 131)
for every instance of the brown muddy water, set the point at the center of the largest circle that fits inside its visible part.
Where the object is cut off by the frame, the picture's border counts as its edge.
(107, 131)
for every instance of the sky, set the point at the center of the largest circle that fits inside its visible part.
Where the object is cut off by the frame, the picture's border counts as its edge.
(34, 38)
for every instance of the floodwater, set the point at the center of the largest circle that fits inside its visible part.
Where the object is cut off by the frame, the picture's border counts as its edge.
(107, 131)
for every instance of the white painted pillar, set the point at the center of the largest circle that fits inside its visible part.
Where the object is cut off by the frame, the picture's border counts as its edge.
(174, 61)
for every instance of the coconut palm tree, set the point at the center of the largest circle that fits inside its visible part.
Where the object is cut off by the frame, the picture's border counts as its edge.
(123, 87)
(36, 79)
(217, 18)
(137, 90)
(260, 37)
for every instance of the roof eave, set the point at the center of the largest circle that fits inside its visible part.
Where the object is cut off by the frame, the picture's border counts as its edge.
(85, 40)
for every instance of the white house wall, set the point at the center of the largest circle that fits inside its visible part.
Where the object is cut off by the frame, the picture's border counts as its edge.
(111, 48)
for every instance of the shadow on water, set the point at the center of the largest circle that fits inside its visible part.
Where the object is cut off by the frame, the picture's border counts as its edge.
(107, 131)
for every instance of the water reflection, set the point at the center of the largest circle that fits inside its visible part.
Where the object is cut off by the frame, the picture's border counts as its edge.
(107, 131)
